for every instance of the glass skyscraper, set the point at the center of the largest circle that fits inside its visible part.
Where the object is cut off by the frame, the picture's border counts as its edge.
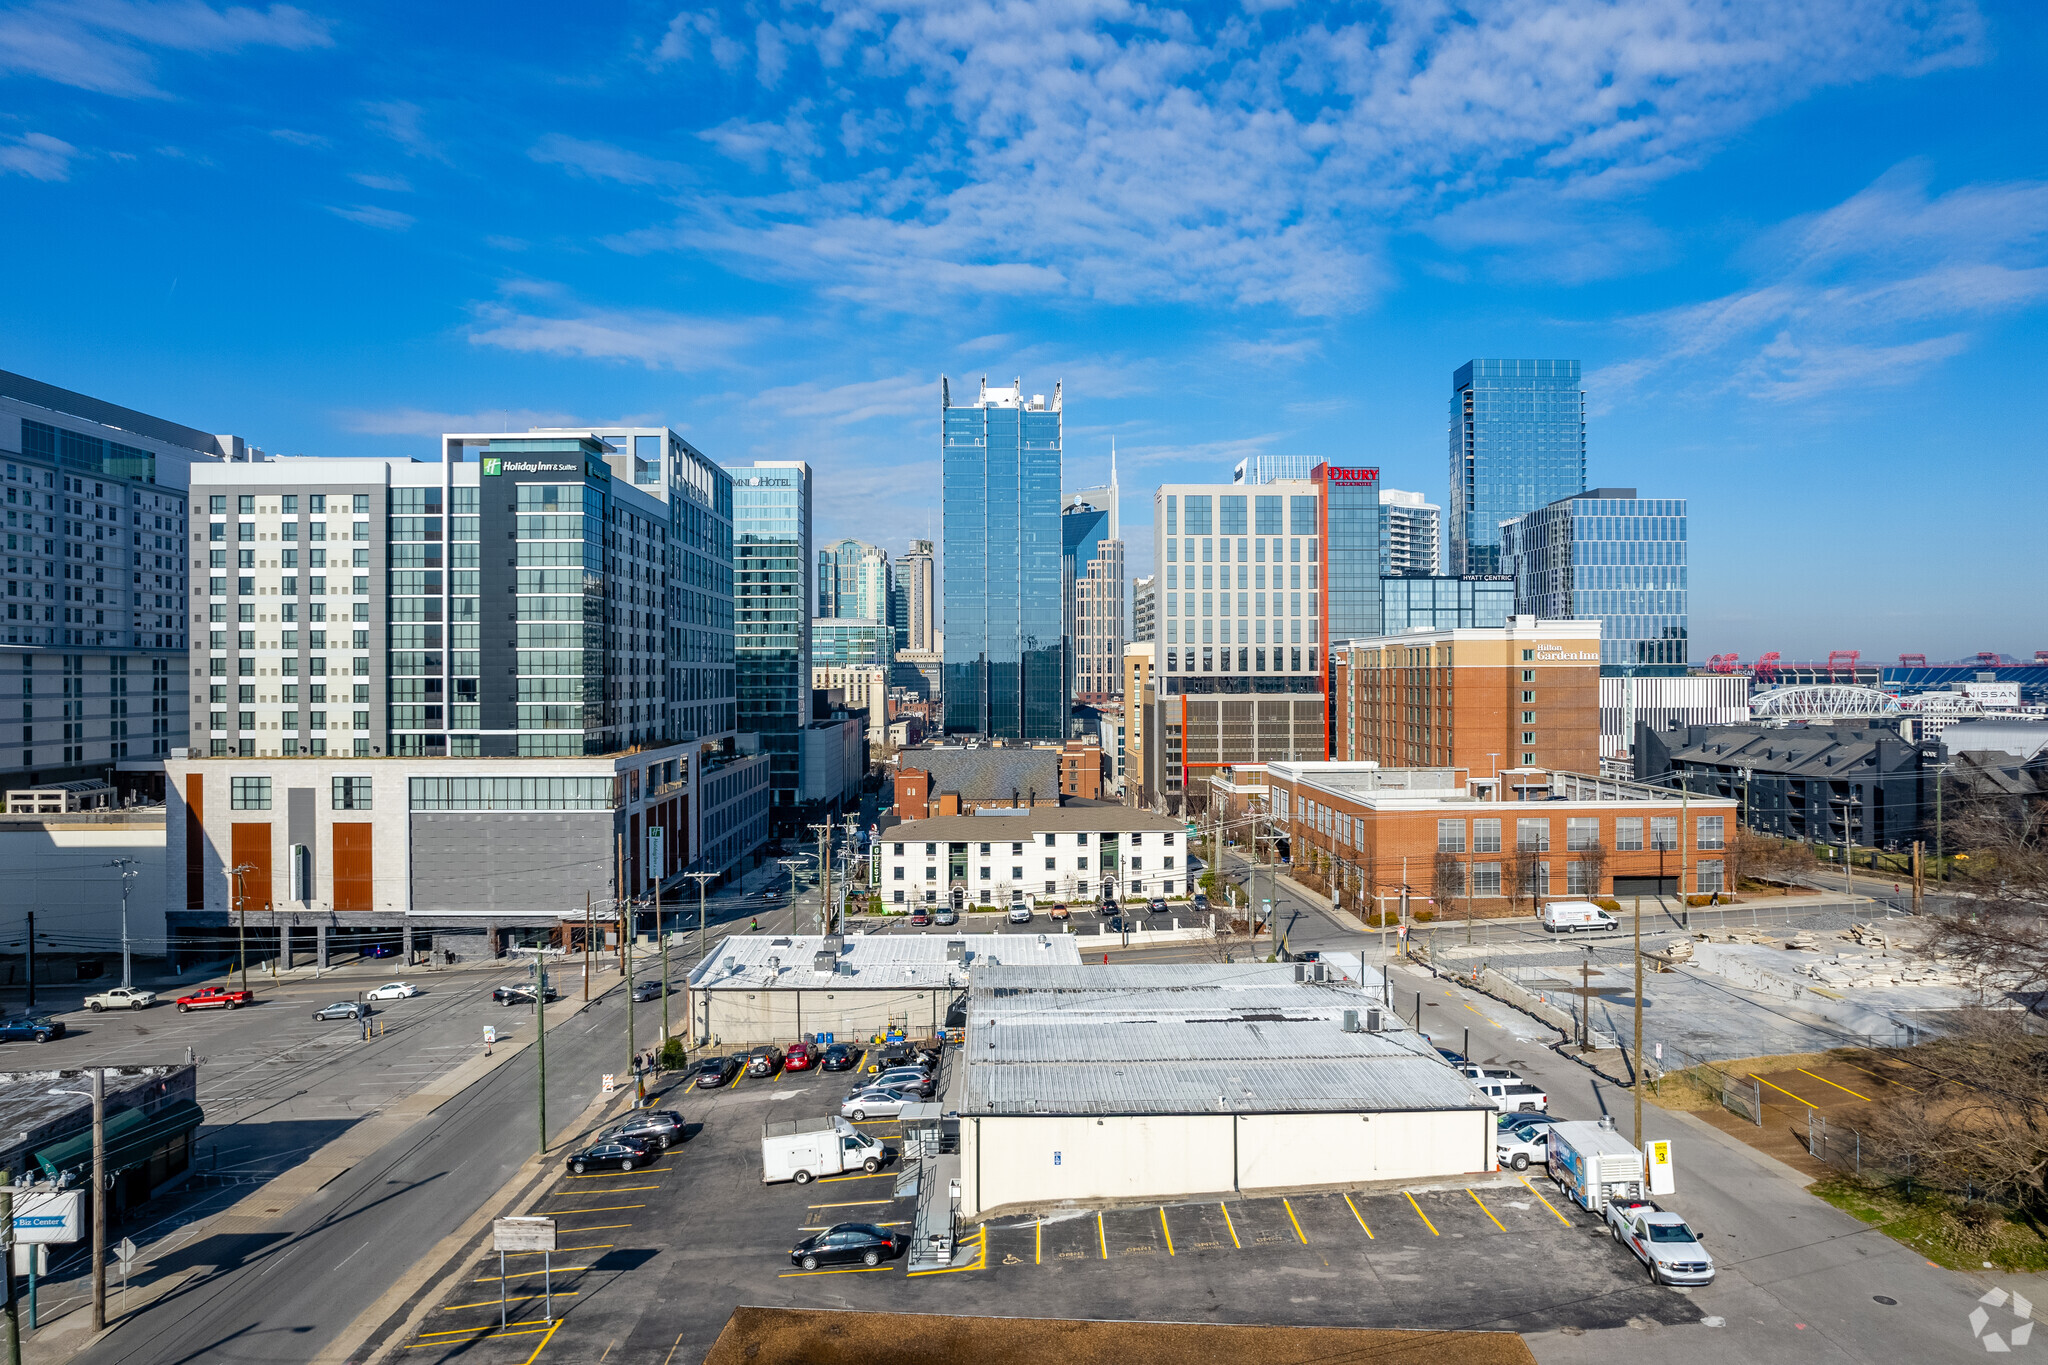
(1610, 556)
(1518, 442)
(853, 580)
(1005, 657)
(772, 596)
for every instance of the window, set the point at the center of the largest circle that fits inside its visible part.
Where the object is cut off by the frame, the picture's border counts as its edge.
(249, 793)
(1048, 864)
(1712, 876)
(1712, 831)
(1528, 718)
(1628, 834)
(1578, 880)
(1532, 836)
(1486, 879)
(1529, 675)
(1581, 833)
(899, 850)
(899, 894)
(352, 793)
(1450, 836)
(1016, 874)
(1081, 863)
(985, 872)
(899, 877)
(1528, 697)
(1528, 656)
(246, 505)
(1486, 838)
(1663, 832)
(1081, 839)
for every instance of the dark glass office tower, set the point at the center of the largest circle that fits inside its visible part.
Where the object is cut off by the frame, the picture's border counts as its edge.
(772, 597)
(1001, 490)
(1518, 442)
(1610, 556)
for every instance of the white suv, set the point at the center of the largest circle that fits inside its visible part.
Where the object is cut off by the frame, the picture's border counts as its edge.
(1020, 914)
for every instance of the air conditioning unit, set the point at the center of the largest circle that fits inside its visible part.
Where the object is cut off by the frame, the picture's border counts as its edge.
(1351, 1021)
(826, 961)
(1372, 1021)
(956, 950)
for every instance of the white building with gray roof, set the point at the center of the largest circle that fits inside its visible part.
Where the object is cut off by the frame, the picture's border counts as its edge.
(1092, 1085)
(1035, 856)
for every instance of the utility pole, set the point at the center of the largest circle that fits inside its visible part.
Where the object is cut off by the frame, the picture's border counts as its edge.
(824, 877)
(1940, 863)
(700, 878)
(1639, 1022)
(99, 1201)
(540, 1043)
(586, 945)
(130, 870)
(13, 1320)
(31, 962)
(241, 946)
(1585, 1002)
(1919, 879)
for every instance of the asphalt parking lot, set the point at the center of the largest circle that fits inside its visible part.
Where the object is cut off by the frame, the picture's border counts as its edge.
(655, 1259)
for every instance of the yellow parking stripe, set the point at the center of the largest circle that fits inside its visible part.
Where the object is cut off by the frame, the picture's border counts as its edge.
(475, 1334)
(842, 1179)
(737, 1079)
(1420, 1214)
(853, 1204)
(1361, 1219)
(847, 1270)
(1038, 1243)
(1485, 1210)
(616, 1189)
(529, 1274)
(594, 1227)
(1825, 1081)
(1781, 1090)
(614, 1175)
(1101, 1237)
(1545, 1202)
(827, 1227)
(1167, 1230)
(1232, 1226)
(1296, 1221)
(607, 1208)
(544, 1342)
(516, 1298)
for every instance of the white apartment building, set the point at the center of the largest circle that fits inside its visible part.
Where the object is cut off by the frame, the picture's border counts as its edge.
(1034, 856)
(1409, 529)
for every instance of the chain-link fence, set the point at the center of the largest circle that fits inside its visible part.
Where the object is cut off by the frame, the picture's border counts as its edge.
(1739, 1095)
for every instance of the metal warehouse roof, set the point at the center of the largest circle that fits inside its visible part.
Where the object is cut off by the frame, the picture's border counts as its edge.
(1191, 1038)
(871, 961)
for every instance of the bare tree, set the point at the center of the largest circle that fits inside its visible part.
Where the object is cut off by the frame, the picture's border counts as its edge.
(1999, 922)
(1976, 1119)
(1524, 874)
(1593, 859)
(1447, 881)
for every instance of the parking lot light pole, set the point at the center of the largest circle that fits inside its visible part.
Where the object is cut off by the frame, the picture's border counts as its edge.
(701, 878)
(1638, 1087)
(239, 871)
(130, 870)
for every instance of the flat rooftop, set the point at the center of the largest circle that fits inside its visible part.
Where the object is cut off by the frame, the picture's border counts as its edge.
(873, 961)
(1196, 1038)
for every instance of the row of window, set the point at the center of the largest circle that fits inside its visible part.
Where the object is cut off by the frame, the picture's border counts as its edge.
(1580, 879)
(316, 504)
(931, 872)
(1134, 839)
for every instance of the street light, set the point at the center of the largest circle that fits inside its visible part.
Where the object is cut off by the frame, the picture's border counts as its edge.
(130, 870)
(242, 918)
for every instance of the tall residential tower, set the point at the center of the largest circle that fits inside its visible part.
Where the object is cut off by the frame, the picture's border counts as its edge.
(772, 597)
(1518, 442)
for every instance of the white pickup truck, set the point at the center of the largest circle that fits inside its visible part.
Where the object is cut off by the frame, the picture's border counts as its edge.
(1669, 1249)
(120, 998)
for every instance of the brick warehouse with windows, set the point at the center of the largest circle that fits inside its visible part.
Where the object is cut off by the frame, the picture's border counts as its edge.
(1502, 845)
(1526, 694)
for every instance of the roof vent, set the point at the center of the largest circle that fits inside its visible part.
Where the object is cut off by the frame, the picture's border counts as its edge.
(846, 969)
(732, 964)
(1607, 1122)
(774, 962)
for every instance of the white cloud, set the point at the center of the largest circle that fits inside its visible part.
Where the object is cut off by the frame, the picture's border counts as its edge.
(603, 161)
(657, 340)
(395, 184)
(108, 46)
(37, 156)
(300, 139)
(369, 215)
(679, 41)
(1104, 150)
(427, 422)
(905, 395)
(404, 123)
(1870, 292)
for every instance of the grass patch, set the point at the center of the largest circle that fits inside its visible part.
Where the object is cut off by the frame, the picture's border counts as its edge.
(1954, 1236)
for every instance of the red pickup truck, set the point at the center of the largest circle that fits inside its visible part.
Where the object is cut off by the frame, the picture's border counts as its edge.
(215, 998)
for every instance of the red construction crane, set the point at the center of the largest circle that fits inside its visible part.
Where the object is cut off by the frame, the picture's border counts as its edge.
(1912, 661)
(1987, 658)
(1843, 658)
(2040, 657)
(1766, 667)
(1723, 663)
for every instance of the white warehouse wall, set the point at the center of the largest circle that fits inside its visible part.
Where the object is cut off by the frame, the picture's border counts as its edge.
(1287, 1151)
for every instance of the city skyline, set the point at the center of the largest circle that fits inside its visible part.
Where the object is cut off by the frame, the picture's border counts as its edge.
(1759, 342)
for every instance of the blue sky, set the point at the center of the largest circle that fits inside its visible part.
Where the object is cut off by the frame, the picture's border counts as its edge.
(1801, 249)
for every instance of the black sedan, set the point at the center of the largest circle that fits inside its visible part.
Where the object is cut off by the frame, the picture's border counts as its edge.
(848, 1242)
(658, 1128)
(521, 995)
(712, 1072)
(618, 1152)
(841, 1057)
(340, 1009)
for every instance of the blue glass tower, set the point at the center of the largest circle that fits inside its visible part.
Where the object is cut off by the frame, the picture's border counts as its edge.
(1518, 442)
(1611, 556)
(1005, 653)
(772, 596)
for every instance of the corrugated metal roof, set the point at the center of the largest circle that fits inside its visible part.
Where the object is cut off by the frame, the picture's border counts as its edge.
(871, 961)
(1187, 1038)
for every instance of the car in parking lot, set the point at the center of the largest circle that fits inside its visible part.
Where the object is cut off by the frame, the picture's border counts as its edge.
(393, 990)
(1059, 912)
(1517, 1147)
(1116, 924)
(844, 1243)
(946, 915)
(841, 1057)
(713, 1072)
(1474, 1072)
(1020, 913)
(340, 1009)
(764, 1060)
(1107, 907)
(873, 1101)
(656, 1128)
(1513, 1097)
(799, 1057)
(903, 1078)
(25, 1027)
(1531, 1119)
(620, 1153)
(120, 998)
(522, 995)
(1201, 902)
(1155, 906)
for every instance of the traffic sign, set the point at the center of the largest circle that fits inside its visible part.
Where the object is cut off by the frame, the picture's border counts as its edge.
(125, 1254)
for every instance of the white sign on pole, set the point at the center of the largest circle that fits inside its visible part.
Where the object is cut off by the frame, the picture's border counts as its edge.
(52, 1216)
(32, 1259)
(1663, 1179)
(523, 1234)
(125, 1254)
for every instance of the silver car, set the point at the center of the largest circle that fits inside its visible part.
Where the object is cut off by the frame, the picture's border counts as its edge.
(876, 1101)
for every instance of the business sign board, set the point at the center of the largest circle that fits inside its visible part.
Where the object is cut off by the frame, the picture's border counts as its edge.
(523, 1234)
(49, 1216)
(1663, 1179)
(1339, 474)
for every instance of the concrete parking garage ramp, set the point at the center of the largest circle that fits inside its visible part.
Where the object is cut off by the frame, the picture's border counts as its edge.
(791, 1336)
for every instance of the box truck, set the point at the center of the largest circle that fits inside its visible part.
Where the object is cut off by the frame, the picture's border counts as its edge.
(804, 1149)
(1592, 1164)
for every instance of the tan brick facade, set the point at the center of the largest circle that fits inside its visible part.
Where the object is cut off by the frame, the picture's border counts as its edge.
(1523, 695)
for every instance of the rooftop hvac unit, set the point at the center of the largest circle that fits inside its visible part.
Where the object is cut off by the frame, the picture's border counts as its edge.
(1351, 1021)
(956, 950)
(732, 964)
(1373, 1023)
(836, 942)
(846, 969)
(826, 961)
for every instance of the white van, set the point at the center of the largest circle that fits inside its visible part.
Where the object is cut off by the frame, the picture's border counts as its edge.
(804, 1149)
(1568, 917)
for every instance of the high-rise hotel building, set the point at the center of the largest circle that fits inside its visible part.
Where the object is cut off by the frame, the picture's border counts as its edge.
(773, 593)
(1518, 442)
(95, 629)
